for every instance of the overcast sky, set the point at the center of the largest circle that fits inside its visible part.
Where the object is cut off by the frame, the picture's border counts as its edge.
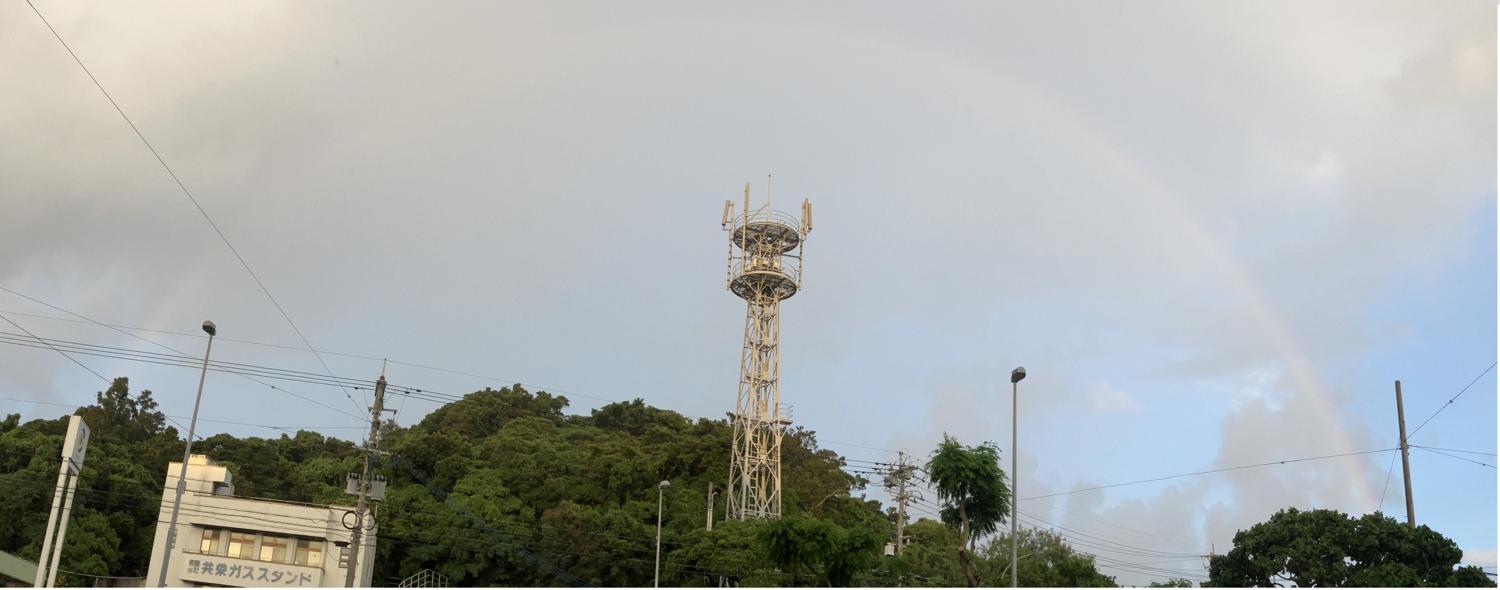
(1214, 233)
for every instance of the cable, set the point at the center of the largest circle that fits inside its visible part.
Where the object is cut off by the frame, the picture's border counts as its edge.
(1450, 402)
(150, 341)
(282, 428)
(1141, 533)
(106, 380)
(69, 357)
(1450, 450)
(1457, 457)
(1387, 486)
(1181, 475)
(486, 378)
(1123, 547)
(183, 360)
(189, 195)
(847, 444)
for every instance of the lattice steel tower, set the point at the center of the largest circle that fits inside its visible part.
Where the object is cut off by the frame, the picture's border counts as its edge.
(765, 267)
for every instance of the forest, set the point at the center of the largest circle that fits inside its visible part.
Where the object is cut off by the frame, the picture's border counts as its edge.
(506, 488)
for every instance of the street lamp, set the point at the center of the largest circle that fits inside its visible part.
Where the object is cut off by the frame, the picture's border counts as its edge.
(1016, 375)
(660, 489)
(187, 451)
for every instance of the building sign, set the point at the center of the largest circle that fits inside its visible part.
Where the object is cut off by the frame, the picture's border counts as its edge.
(231, 573)
(76, 443)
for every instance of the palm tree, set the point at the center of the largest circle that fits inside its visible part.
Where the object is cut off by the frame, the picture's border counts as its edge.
(972, 488)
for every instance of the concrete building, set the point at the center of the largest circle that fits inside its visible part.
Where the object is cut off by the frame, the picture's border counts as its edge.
(16, 572)
(228, 541)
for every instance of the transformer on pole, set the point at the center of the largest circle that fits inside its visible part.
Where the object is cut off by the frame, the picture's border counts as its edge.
(765, 267)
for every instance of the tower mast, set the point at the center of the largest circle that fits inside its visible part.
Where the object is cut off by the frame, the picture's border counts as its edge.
(765, 268)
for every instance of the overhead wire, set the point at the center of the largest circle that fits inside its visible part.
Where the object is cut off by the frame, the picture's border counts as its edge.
(281, 428)
(1205, 472)
(54, 348)
(1457, 457)
(1451, 450)
(159, 344)
(189, 195)
(1450, 401)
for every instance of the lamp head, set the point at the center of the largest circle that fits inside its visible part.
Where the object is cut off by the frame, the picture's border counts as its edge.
(1017, 374)
(664, 484)
(208, 326)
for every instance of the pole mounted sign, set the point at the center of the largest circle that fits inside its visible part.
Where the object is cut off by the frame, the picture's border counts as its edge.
(75, 444)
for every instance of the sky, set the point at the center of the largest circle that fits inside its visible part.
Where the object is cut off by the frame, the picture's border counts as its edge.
(1214, 234)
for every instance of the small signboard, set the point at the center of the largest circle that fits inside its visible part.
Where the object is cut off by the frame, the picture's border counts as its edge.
(234, 572)
(75, 444)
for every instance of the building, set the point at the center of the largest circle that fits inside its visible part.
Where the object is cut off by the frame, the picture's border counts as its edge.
(228, 541)
(16, 572)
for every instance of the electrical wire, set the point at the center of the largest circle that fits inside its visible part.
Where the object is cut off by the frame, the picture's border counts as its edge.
(1450, 402)
(155, 343)
(1206, 472)
(281, 428)
(1388, 470)
(54, 348)
(1451, 450)
(1457, 457)
(189, 195)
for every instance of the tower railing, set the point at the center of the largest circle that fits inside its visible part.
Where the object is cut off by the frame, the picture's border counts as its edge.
(767, 216)
(776, 266)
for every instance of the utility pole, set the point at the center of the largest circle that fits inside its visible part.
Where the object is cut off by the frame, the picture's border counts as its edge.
(364, 481)
(899, 475)
(710, 506)
(1411, 516)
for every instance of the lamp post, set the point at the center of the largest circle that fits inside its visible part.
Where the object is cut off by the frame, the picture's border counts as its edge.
(187, 451)
(1016, 375)
(660, 489)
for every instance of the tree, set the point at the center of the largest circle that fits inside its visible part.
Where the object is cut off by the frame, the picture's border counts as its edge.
(821, 548)
(1172, 583)
(929, 555)
(1046, 560)
(975, 497)
(1329, 548)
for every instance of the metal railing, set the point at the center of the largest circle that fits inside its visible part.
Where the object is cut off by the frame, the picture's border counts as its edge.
(767, 216)
(784, 266)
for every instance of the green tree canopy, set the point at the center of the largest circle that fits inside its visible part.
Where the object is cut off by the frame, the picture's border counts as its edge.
(972, 488)
(1046, 560)
(1329, 548)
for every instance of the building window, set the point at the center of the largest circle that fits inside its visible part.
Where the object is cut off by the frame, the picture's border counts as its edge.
(211, 543)
(309, 552)
(273, 548)
(241, 544)
(343, 556)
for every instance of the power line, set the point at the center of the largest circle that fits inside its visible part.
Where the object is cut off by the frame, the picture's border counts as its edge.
(68, 356)
(487, 378)
(1138, 532)
(282, 428)
(1181, 475)
(153, 342)
(1113, 545)
(1452, 450)
(1450, 401)
(189, 195)
(1388, 470)
(106, 380)
(1431, 450)
(182, 361)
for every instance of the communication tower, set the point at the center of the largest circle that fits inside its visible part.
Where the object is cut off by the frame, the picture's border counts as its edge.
(765, 267)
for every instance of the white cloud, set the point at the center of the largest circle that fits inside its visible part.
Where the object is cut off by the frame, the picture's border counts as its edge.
(1484, 558)
(1104, 398)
